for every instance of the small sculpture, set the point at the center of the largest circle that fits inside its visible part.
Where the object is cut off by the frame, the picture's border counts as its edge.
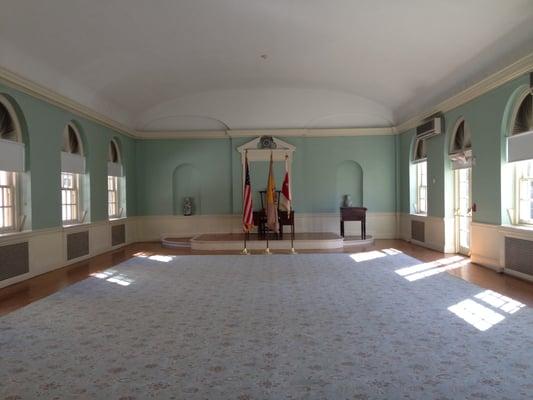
(347, 202)
(187, 206)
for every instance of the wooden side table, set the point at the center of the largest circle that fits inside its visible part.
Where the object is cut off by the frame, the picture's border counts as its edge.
(354, 214)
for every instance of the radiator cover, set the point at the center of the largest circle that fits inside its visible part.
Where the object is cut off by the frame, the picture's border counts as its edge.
(14, 260)
(118, 234)
(77, 244)
(519, 255)
(418, 231)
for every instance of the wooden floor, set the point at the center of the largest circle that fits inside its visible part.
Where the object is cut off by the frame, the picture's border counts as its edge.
(21, 294)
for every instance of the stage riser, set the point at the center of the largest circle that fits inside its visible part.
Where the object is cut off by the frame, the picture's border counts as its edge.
(379, 225)
(273, 245)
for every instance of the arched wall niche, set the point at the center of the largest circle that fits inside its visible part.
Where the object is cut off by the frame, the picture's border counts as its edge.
(349, 181)
(186, 183)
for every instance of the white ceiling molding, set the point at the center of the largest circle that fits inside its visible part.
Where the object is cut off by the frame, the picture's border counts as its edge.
(154, 135)
(516, 69)
(16, 81)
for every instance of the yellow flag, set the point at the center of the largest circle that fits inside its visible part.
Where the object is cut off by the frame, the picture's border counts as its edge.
(271, 206)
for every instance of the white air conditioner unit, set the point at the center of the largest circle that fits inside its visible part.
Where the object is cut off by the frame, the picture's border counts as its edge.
(430, 128)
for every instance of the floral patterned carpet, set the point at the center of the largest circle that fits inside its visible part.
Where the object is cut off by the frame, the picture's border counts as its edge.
(378, 325)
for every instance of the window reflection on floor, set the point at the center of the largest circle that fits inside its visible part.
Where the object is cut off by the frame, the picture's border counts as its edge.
(113, 277)
(420, 271)
(484, 317)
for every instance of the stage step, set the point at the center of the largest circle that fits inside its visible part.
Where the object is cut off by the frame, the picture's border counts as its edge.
(176, 242)
(235, 242)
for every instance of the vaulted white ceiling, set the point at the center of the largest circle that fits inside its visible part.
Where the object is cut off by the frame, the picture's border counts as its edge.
(247, 64)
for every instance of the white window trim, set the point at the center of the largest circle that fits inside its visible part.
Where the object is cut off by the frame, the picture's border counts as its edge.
(14, 187)
(518, 180)
(419, 186)
(118, 196)
(77, 189)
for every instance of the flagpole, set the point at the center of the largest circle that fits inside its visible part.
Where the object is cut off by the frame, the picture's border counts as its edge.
(245, 251)
(267, 250)
(289, 211)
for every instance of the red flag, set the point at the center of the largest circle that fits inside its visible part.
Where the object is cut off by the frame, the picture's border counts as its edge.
(247, 207)
(286, 196)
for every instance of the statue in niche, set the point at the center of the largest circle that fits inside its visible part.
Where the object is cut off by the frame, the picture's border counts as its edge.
(187, 206)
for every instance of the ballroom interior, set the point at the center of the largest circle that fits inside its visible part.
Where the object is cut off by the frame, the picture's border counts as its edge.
(266, 199)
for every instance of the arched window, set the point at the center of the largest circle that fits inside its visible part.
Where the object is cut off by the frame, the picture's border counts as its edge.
(523, 121)
(72, 174)
(419, 162)
(520, 151)
(461, 146)
(11, 164)
(116, 184)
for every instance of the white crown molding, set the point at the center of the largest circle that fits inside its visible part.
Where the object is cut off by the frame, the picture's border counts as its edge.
(152, 135)
(16, 81)
(515, 70)
(512, 71)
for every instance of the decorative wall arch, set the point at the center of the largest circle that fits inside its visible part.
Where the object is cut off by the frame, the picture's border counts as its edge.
(9, 108)
(186, 183)
(72, 132)
(349, 181)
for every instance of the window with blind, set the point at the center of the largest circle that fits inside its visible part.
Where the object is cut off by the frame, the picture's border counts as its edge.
(524, 185)
(113, 196)
(421, 188)
(7, 201)
(420, 177)
(115, 182)
(72, 172)
(12, 152)
(70, 198)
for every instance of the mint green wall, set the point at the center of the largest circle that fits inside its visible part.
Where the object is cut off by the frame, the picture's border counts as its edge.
(485, 117)
(44, 128)
(314, 173)
(158, 159)
(317, 182)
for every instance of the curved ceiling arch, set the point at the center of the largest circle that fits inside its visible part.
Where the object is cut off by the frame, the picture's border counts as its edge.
(269, 109)
(125, 58)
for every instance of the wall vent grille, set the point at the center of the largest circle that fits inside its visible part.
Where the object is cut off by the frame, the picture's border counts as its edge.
(118, 234)
(418, 231)
(14, 260)
(519, 255)
(77, 245)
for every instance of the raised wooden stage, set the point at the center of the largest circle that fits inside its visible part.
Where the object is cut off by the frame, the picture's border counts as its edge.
(234, 241)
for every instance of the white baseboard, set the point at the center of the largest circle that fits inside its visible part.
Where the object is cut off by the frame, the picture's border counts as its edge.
(487, 262)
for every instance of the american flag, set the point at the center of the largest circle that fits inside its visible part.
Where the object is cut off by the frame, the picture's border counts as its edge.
(247, 214)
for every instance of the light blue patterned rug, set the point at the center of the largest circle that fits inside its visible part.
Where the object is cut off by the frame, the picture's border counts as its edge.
(379, 325)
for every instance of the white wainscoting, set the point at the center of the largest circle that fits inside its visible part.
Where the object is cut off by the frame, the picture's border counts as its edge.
(487, 246)
(436, 232)
(48, 247)
(150, 228)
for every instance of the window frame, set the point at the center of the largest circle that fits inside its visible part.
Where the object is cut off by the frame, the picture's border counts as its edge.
(521, 180)
(76, 189)
(117, 195)
(421, 166)
(14, 185)
(465, 149)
